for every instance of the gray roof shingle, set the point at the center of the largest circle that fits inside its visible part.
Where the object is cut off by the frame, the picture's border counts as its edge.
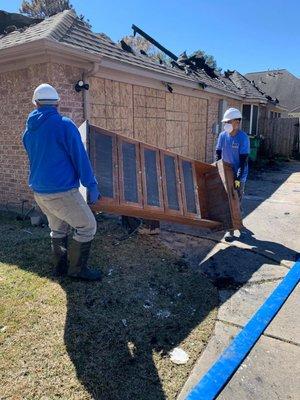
(246, 87)
(279, 83)
(68, 29)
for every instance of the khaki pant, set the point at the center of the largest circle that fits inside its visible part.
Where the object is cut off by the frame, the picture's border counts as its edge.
(68, 210)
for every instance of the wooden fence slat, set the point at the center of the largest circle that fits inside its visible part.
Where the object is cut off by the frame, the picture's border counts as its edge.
(281, 136)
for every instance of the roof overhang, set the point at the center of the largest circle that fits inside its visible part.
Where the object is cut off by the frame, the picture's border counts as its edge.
(48, 50)
(44, 50)
(253, 100)
(162, 77)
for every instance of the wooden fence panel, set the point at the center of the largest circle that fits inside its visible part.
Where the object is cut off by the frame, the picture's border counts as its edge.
(281, 137)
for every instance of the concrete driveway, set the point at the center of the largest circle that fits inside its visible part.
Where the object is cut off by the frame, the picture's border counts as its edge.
(246, 271)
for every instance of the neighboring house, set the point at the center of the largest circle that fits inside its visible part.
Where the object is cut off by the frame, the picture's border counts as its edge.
(280, 84)
(256, 106)
(170, 107)
(295, 113)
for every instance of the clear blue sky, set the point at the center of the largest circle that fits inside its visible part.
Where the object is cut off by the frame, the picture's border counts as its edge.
(247, 35)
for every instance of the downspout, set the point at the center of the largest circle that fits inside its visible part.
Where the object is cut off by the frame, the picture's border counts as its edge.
(85, 76)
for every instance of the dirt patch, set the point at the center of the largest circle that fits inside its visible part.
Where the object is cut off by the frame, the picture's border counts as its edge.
(108, 340)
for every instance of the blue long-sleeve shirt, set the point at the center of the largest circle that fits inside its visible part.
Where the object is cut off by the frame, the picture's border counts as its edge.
(232, 147)
(57, 157)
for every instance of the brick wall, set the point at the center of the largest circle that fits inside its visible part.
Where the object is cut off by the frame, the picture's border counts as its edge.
(15, 105)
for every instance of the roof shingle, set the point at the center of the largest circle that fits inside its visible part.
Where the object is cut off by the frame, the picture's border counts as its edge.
(66, 28)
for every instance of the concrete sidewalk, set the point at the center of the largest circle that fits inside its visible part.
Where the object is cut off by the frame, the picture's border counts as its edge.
(246, 272)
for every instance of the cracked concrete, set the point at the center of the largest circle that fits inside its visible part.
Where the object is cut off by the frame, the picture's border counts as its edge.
(246, 271)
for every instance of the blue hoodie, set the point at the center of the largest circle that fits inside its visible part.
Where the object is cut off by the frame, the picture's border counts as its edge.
(58, 160)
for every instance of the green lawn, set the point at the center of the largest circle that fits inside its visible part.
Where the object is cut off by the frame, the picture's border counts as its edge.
(62, 339)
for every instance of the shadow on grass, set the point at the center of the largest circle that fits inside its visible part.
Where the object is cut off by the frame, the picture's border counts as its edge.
(118, 332)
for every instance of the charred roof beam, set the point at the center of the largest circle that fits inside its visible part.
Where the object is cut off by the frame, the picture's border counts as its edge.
(153, 41)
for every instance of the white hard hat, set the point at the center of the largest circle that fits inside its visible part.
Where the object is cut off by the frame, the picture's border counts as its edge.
(231, 113)
(45, 94)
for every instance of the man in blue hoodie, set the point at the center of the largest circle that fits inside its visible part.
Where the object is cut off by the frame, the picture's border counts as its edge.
(58, 163)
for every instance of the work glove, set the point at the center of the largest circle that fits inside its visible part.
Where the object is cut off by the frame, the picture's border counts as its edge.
(94, 194)
(237, 183)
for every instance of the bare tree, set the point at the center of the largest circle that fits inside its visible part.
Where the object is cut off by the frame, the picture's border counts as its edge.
(143, 46)
(44, 8)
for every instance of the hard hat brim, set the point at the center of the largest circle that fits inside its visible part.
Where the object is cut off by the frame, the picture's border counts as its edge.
(226, 120)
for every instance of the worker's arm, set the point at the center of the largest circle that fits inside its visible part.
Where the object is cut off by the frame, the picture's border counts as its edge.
(219, 148)
(218, 155)
(243, 164)
(80, 159)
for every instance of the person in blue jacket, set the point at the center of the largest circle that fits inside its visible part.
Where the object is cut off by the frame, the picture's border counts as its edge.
(58, 163)
(233, 147)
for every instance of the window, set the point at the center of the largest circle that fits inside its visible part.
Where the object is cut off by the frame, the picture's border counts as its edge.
(254, 120)
(272, 114)
(250, 119)
(246, 121)
(223, 105)
(279, 115)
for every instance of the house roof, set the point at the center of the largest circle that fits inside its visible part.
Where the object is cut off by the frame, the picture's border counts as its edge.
(246, 87)
(279, 83)
(295, 110)
(67, 29)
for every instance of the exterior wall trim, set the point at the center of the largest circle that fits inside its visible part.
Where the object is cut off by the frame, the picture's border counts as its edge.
(16, 57)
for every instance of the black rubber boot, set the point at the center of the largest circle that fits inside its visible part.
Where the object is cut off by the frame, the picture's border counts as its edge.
(78, 257)
(59, 250)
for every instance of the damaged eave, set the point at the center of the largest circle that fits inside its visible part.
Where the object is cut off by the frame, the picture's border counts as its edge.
(162, 76)
(253, 100)
(50, 50)
(45, 50)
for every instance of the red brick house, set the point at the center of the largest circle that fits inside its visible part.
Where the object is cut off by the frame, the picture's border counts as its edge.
(128, 94)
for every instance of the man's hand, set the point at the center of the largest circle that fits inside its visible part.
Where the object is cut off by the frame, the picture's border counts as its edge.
(237, 183)
(94, 195)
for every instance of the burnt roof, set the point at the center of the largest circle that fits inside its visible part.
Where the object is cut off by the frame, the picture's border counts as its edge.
(66, 28)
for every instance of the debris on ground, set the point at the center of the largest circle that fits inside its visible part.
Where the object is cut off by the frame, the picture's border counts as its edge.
(179, 356)
(163, 314)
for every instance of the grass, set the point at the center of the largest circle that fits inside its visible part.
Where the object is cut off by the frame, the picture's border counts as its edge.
(62, 339)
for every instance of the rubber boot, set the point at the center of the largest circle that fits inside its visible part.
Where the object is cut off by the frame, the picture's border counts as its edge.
(59, 250)
(78, 257)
